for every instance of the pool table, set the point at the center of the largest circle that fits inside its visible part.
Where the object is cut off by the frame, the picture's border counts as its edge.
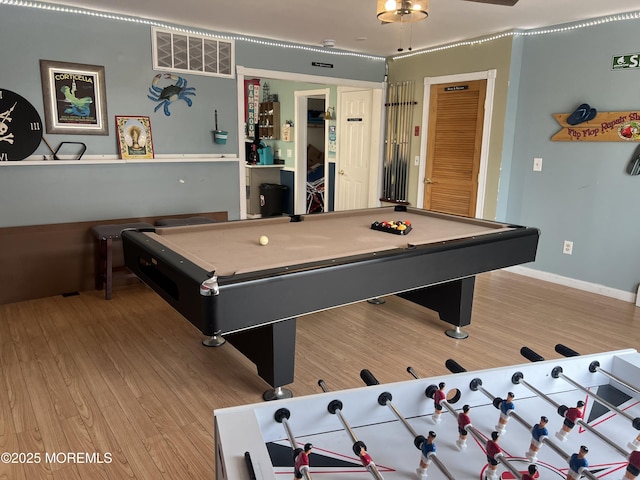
(222, 280)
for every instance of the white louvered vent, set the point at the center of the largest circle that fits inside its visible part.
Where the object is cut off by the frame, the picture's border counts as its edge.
(181, 52)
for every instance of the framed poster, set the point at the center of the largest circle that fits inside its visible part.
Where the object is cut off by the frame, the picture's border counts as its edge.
(134, 137)
(74, 98)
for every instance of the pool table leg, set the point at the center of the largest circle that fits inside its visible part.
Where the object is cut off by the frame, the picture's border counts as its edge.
(452, 300)
(273, 350)
(214, 340)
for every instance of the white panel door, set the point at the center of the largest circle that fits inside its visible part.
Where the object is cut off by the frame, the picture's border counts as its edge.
(354, 149)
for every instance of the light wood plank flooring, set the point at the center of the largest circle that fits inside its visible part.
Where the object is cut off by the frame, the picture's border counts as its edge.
(129, 377)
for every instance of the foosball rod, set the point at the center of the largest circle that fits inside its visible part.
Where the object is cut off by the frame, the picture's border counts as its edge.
(557, 373)
(518, 378)
(385, 398)
(476, 384)
(282, 416)
(335, 408)
(545, 440)
(595, 367)
(475, 433)
(429, 394)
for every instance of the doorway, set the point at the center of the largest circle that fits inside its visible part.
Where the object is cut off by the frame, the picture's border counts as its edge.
(454, 148)
(312, 185)
(298, 182)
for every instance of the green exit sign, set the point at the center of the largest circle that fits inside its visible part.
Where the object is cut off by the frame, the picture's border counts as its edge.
(625, 62)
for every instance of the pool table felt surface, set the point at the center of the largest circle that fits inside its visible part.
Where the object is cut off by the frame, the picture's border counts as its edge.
(233, 247)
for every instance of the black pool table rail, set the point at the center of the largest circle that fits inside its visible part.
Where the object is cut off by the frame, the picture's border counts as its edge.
(159, 251)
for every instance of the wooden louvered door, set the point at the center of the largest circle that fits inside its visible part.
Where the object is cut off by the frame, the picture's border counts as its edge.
(456, 116)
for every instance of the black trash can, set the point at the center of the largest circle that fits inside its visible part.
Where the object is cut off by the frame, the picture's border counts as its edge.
(272, 199)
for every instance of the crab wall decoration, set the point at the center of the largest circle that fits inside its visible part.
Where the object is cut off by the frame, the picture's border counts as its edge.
(169, 94)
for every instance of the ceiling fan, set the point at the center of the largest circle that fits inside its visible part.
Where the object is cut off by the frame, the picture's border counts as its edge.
(390, 11)
(409, 11)
(506, 3)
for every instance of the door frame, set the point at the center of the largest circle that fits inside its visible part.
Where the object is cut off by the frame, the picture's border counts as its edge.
(242, 72)
(490, 77)
(300, 136)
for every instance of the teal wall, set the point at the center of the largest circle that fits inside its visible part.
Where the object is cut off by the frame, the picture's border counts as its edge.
(583, 193)
(43, 194)
(124, 49)
(515, 68)
(69, 193)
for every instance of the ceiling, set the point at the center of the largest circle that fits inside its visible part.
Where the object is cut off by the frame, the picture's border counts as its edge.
(353, 24)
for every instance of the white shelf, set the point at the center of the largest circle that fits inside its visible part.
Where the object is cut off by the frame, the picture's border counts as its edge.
(275, 165)
(111, 160)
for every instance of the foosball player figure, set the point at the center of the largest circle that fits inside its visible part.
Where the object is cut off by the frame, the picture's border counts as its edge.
(365, 458)
(428, 448)
(635, 444)
(438, 397)
(301, 461)
(633, 468)
(506, 406)
(464, 421)
(492, 449)
(571, 416)
(538, 433)
(577, 463)
(531, 473)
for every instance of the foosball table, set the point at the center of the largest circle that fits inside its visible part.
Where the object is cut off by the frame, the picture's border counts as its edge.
(379, 431)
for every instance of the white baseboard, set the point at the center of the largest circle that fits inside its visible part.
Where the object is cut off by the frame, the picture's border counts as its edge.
(579, 284)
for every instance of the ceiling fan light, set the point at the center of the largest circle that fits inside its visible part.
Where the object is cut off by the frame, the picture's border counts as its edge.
(402, 11)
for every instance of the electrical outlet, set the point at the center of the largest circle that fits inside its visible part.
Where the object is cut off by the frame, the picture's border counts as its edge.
(567, 248)
(537, 164)
(289, 153)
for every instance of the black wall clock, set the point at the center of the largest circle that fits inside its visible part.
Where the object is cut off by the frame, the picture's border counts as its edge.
(20, 127)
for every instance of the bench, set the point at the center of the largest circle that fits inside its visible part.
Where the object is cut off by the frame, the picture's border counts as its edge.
(105, 236)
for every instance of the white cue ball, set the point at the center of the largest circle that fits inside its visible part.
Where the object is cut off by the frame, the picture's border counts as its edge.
(264, 240)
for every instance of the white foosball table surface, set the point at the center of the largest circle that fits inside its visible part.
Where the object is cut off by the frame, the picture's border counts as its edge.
(253, 429)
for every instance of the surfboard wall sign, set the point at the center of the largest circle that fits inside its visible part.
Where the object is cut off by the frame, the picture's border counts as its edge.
(604, 127)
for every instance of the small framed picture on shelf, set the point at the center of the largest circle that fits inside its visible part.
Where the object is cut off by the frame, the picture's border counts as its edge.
(134, 137)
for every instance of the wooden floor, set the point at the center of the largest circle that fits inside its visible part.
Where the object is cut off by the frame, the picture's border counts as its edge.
(127, 381)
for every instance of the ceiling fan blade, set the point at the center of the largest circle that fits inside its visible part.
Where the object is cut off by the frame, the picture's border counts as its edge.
(506, 3)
